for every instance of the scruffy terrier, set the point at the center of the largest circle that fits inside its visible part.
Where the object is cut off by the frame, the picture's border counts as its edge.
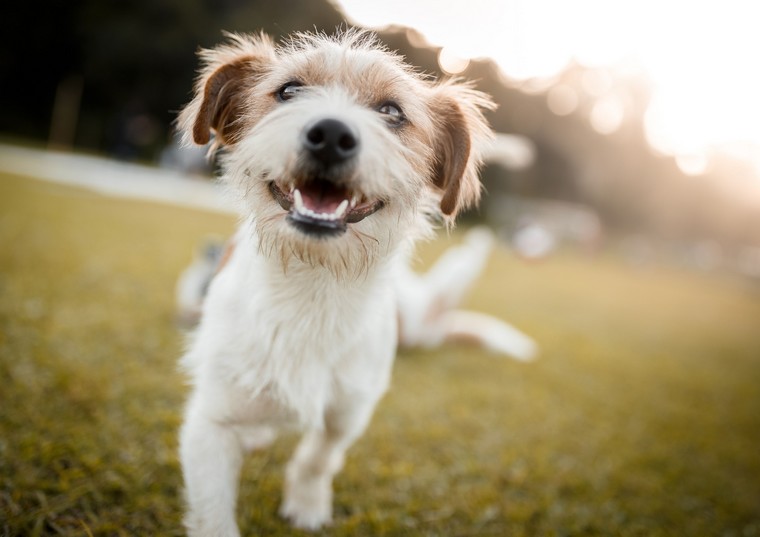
(341, 157)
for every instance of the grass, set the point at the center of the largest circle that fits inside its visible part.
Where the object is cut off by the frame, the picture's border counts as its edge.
(642, 416)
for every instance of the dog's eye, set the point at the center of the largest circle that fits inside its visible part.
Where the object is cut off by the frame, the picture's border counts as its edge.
(392, 112)
(289, 90)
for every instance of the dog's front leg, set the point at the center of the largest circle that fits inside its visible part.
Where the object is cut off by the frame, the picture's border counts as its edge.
(211, 455)
(319, 456)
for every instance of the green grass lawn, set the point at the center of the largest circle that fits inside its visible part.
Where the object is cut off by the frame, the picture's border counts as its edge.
(642, 416)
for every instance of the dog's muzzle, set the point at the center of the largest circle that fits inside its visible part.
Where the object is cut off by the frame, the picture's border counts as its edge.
(320, 203)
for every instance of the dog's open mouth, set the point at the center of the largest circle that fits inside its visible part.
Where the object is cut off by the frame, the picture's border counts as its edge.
(322, 208)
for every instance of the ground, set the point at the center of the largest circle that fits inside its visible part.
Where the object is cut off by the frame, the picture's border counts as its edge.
(641, 417)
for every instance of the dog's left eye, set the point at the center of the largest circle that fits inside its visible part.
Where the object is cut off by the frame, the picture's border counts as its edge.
(394, 115)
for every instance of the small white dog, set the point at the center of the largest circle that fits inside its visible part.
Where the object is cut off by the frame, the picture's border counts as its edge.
(341, 157)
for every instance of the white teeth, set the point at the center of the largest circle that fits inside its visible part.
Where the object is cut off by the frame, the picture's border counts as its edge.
(341, 209)
(300, 208)
(354, 201)
(298, 201)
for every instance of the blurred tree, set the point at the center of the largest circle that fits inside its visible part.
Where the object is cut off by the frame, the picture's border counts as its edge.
(136, 59)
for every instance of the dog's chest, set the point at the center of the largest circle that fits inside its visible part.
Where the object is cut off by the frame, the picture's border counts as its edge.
(296, 338)
(308, 317)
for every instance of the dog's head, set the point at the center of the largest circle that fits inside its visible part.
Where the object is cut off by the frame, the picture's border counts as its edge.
(339, 149)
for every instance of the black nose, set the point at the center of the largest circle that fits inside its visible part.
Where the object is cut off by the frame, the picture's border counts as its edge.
(330, 141)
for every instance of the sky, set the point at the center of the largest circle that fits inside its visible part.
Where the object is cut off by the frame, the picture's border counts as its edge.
(701, 58)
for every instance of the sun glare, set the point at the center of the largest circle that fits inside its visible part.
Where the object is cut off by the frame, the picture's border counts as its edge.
(451, 63)
(699, 58)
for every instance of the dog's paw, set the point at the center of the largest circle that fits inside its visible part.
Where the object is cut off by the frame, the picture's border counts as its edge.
(308, 507)
(203, 528)
(306, 517)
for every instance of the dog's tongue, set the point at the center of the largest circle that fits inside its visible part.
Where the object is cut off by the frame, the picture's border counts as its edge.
(323, 197)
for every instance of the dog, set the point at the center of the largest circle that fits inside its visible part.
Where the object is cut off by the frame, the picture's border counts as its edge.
(340, 157)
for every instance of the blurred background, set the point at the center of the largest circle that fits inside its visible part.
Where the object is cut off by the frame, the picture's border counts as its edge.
(626, 162)
(637, 126)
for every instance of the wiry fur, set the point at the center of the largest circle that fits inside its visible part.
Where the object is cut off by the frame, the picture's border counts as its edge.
(301, 330)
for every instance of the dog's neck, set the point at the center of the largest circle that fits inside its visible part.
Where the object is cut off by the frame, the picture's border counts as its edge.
(360, 270)
(312, 281)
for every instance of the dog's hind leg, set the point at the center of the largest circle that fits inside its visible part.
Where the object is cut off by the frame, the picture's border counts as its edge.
(427, 303)
(489, 332)
(454, 273)
(423, 298)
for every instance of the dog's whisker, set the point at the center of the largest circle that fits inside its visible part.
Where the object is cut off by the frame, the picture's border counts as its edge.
(362, 268)
(366, 236)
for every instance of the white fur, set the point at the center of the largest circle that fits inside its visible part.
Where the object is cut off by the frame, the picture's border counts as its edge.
(276, 349)
(298, 331)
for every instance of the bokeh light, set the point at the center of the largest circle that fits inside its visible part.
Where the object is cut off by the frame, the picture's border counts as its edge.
(607, 115)
(698, 57)
(562, 100)
(450, 62)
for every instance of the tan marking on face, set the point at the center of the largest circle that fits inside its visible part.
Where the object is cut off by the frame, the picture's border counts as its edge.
(432, 157)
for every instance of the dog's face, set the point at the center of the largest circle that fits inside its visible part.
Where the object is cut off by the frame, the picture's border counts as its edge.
(340, 151)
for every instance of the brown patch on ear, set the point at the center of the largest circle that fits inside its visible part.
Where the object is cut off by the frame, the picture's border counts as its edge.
(222, 106)
(453, 153)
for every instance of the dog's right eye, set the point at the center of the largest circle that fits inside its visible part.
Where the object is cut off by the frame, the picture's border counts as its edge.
(289, 90)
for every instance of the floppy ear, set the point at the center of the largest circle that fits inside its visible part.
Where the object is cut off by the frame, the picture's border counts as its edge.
(227, 75)
(461, 133)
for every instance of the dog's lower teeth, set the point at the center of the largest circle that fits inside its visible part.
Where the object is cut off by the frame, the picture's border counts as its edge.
(301, 209)
(304, 211)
